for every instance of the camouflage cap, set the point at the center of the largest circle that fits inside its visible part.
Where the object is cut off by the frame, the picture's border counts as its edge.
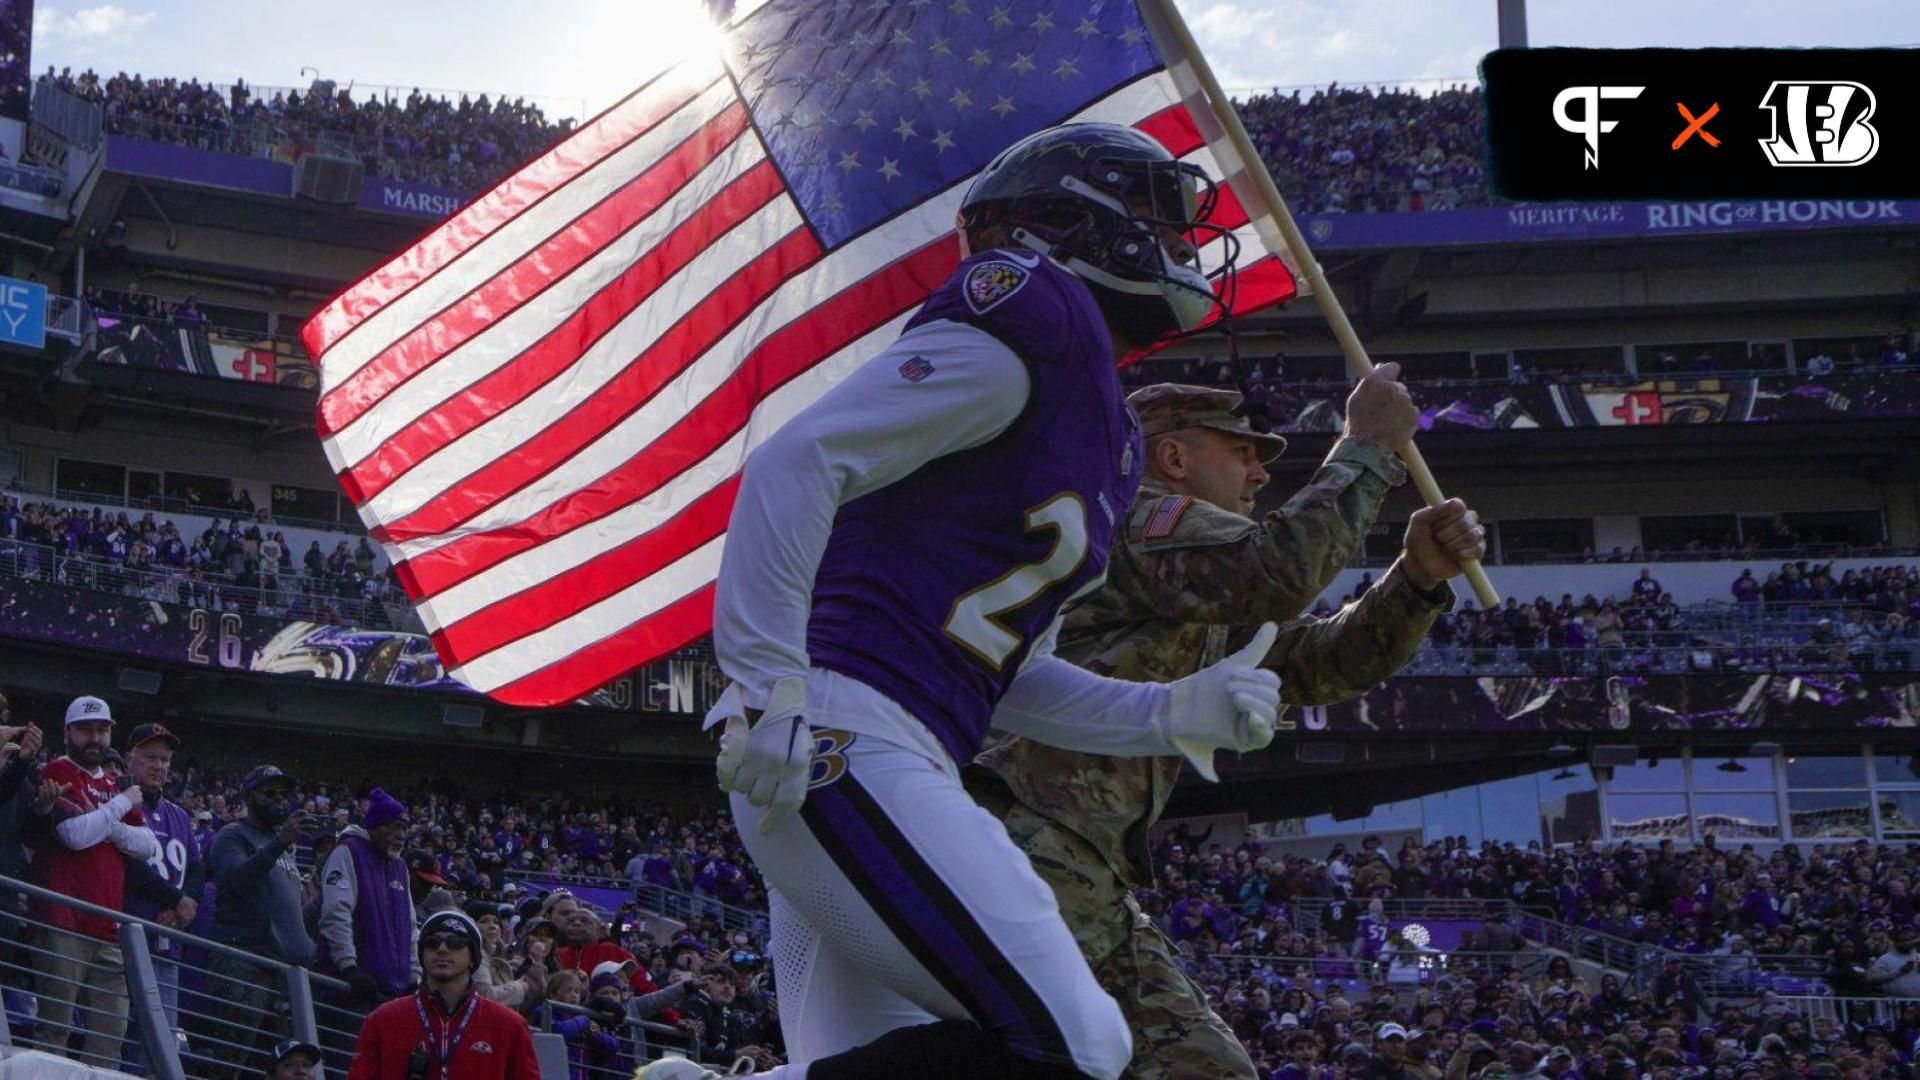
(1165, 407)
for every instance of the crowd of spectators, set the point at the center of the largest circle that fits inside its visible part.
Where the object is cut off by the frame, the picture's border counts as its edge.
(1804, 616)
(236, 563)
(332, 875)
(146, 307)
(1301, 958)
(462, 145)
(1332, 149)
(1343, 148)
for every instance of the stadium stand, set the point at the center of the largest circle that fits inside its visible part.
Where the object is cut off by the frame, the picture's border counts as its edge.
(464, 145)
(1769, 945)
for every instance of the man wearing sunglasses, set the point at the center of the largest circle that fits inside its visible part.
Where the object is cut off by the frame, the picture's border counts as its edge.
(445, 1031)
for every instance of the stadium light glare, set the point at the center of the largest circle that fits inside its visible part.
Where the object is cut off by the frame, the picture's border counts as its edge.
(665, 33)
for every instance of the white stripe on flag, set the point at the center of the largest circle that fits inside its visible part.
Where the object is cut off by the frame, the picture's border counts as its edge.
(594, 623)
(543, 563)
(609, 356)
(514, 240)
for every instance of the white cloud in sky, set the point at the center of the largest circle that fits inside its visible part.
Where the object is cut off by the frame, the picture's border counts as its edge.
(107, 21)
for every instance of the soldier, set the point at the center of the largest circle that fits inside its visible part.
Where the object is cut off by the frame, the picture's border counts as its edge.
(1192, 580)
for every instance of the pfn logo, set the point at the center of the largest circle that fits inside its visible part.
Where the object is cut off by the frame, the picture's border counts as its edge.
(1825, 123)
(1589, 126)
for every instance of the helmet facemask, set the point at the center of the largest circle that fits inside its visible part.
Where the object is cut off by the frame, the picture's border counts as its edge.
(1105, 225)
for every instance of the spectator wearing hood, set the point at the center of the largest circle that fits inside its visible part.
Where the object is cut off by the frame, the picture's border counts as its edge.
(366, 908)
(519, 986)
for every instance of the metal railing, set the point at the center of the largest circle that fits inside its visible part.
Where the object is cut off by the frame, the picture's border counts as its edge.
(1744, 975)
(1844, 1011)
(112, 990)
(1394, 969)
(1306, 912)
(171, 505)
(300, 598)
(1148, 371)
(1637, 960)
(676, 904)
(68, 115)
(31, 181)
(288, 344)
(690, 907)
(594, 1051)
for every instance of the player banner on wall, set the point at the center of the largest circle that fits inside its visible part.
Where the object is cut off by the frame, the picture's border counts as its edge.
(688, 684)
(250, 642)
(1661, 401)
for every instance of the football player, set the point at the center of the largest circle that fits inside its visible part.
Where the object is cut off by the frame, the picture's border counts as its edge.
(897, 557)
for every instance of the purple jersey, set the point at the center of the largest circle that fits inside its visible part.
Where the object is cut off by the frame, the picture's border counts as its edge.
(177, 851)
(933, 589)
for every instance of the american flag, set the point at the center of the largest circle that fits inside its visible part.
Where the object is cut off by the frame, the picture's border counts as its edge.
(542, 407)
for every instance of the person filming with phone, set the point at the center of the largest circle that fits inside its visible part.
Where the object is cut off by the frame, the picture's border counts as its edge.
(258, 907)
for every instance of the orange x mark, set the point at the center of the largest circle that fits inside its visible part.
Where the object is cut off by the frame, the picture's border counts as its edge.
(1697, 126)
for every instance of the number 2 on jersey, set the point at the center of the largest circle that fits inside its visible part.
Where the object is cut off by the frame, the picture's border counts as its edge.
(974, 621)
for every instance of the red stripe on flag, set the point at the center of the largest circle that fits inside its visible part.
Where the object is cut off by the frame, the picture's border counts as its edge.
(841, 320)
(1173, 126)
(507, 386)
(535, 272)
(675, 626)
(535, 609)
(1263, 283)
(663, 359)
(1227, 212)
(523, 189)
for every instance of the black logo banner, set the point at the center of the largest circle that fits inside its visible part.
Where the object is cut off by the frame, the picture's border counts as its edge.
(1583, 124)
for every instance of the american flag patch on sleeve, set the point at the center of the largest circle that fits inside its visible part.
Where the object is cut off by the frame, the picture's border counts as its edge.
(1166, 516)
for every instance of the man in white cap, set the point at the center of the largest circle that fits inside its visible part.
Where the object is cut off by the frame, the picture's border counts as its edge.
(96, 828)
(1390, 1055)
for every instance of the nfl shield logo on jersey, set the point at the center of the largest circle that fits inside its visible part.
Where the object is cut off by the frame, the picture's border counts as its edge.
(915, 369)
(991, 282)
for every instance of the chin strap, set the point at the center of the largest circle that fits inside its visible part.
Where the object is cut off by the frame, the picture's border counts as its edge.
(1253, 393)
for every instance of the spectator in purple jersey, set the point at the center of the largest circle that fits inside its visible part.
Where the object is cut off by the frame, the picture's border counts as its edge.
(1761, 906)
(204, 826)
(166, 888)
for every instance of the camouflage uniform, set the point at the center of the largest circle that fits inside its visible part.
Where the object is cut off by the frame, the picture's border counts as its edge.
(1191, 583)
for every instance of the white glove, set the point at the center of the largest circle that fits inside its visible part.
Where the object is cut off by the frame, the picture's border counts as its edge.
(1229, 706)
(769, 762)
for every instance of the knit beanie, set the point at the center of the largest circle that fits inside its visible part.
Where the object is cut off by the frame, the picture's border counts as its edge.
(381, 809)
(454, 922)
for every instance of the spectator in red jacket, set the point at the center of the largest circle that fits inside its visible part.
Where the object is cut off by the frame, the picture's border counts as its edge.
(584, 944)
(455, 1033)
(96, 828)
